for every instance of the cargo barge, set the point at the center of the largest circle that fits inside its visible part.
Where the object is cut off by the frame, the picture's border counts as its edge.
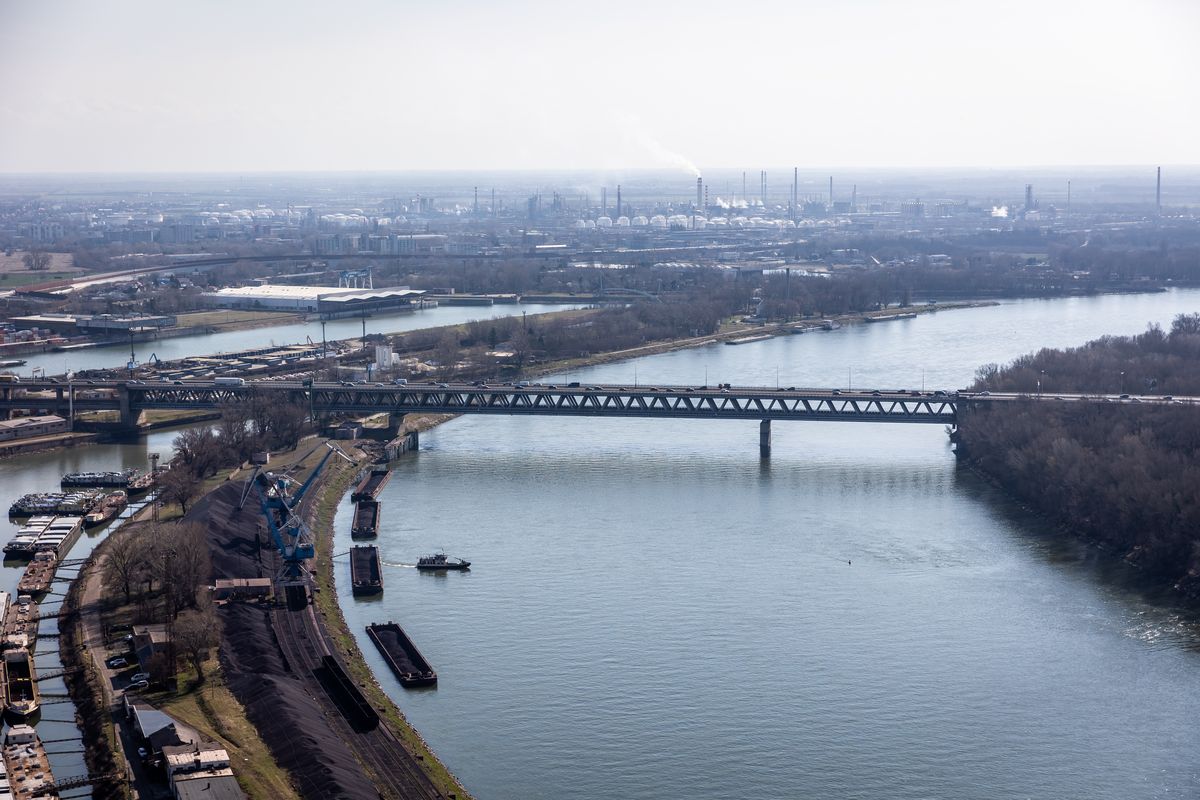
(39, 574)
(106, 510)
(370, 486)
(23, 699)
(21, 620)
(80, 502)
(366, 574)
(55, 534)
(26, 765)
(402, 655)
(366, 520)
(24, 544)
(131, 480)
(103, 480)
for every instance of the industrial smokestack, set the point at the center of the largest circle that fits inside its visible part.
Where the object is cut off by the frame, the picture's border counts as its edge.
(604, 201)
(620, 213)
(795, 190)
(854, 199)
(699, 192)
(764, 188)
(1158, 192)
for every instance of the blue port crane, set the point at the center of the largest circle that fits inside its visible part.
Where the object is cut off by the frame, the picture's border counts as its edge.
(280, 506)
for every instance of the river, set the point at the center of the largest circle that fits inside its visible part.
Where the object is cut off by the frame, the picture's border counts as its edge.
(117, 355)
(655, 612)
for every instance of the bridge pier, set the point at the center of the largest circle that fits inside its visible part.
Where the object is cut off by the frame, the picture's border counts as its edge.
(764, 439)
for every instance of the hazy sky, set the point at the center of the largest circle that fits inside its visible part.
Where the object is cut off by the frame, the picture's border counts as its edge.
(373, 85)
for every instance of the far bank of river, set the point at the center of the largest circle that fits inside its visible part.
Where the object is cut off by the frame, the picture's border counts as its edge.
(225, 341)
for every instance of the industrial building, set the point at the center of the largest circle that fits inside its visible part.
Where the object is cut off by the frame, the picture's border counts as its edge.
(329, 300)
(25, 427)
(71, 324)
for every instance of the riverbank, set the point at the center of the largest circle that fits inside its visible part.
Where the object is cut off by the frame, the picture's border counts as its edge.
(39, 444)
(325, 599)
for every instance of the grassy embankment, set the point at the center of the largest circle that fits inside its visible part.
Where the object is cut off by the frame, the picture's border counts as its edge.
(233, 320)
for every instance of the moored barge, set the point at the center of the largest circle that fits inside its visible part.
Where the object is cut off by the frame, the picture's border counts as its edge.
(103, 480)
(39, 573)
(366, 574)
(112, 505)
(26, 765)
(77, 502)
(402, 655)
(23, 697)
(366, 520)
(370, 486)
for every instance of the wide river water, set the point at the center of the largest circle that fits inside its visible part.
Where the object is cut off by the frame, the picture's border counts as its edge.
(655, 612)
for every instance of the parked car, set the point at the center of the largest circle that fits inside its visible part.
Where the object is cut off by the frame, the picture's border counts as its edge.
(139, 685)
(139, 676)
(117, 662)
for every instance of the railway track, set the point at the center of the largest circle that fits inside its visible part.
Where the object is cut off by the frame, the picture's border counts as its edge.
(396, 771)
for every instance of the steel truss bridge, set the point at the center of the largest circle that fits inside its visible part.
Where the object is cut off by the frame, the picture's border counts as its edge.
(589, 400)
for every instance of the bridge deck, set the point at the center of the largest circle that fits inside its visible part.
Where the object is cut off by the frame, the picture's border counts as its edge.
(685, 402)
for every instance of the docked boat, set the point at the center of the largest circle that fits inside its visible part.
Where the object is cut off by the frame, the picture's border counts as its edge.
(141, 483)
(439, 561)
(24, 544)
(21, 620)
(39, 573)
(402, 655)
(366, 574)
(104, 480)
(23, 697)
(26, 765)
(366, 520)
(370, 486)
(60, 535)
(78, 502)
(112, 505)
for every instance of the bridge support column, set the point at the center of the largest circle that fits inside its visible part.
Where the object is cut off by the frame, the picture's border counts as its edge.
(764, 439)
(129, 417)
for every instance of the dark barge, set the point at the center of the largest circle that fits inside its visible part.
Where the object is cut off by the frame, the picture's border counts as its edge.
(370, 486)
(366, 520)
(402, 655)
(366, 575)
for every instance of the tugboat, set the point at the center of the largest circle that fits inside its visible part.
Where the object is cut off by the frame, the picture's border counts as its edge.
(438, 561)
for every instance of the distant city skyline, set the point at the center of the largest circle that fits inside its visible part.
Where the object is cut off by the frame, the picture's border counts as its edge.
(274, 86)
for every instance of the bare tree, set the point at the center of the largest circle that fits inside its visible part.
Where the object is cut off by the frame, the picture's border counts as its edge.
(179, 485)
(36, 260)
(194, 633)
(124, 561)
(200, 450)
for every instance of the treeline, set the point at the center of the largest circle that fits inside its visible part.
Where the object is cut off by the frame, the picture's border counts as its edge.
(1122, 474)
(1154, 362)
(260, 423)
(483, 348)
